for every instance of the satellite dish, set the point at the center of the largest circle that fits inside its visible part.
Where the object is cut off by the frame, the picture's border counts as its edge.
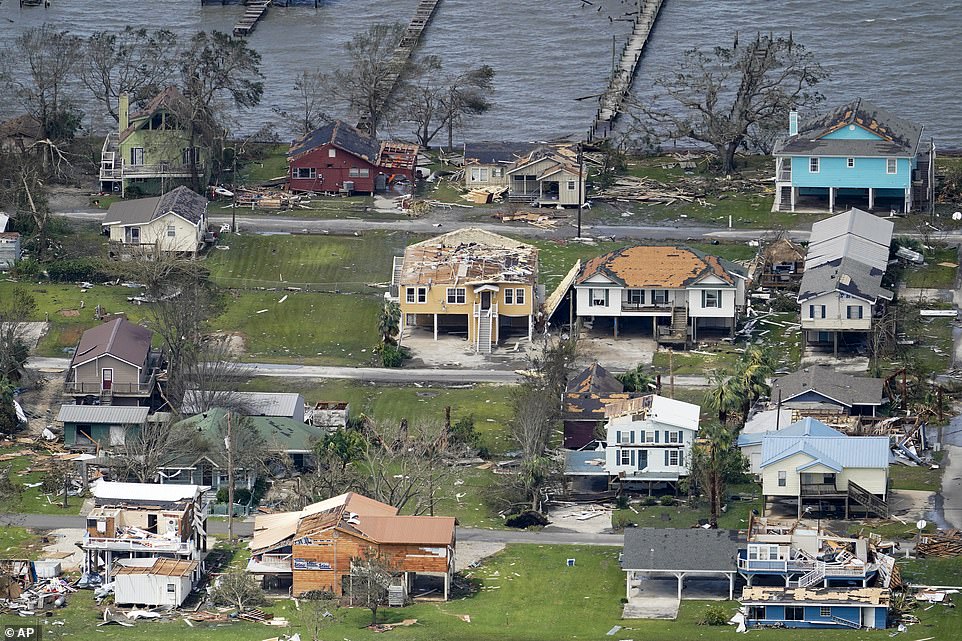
(921, 524)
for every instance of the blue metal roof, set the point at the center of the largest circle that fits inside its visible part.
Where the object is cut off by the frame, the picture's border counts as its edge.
(825, 445)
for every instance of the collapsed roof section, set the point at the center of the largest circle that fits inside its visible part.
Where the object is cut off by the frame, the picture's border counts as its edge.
(469, 256)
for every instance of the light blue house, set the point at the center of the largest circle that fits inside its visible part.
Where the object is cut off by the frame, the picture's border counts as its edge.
(855, 608)
(858, 155)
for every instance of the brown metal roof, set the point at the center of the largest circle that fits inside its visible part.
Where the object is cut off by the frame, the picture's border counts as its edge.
(119, 338)
(161, 567)
(415, 530)
(469, 256)
(654, 266)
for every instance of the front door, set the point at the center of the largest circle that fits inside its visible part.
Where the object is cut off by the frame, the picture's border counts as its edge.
(106, 379)
(642, 459)
(485, 300)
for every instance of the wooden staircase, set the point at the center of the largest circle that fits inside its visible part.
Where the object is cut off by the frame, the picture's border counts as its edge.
(864, 498)
(678, 334)
(484, 331)
(254, 12)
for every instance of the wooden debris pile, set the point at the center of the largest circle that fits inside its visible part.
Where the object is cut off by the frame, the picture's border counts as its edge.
(647, 190)
(261, 198)
(539, 218)
(485, 195)
(942, 545)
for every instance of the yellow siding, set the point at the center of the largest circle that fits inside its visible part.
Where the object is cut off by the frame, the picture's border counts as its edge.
(874, 480)
(789, 466)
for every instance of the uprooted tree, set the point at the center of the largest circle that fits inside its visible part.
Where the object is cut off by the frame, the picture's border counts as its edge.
(731, 97)
(16, 310)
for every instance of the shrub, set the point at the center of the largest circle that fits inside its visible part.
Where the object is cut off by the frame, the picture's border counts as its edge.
(463, 432)
(393, 356)
(622, 502)
(620, 521)
(78, 269)
(27, 268)
(648, 501)
(526, 519)
(714, 615)
(668, 500)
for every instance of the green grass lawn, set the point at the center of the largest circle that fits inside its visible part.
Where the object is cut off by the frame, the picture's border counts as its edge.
(685, 363)
(324, 262)
(684, 515)
(488, 404)
(888, 530)
(932, 274)
(316, 329)
(19, 543)
(272, 165)
(31, 500)
(468, 498)
(932, 351)
(932, 571)
(904, 477)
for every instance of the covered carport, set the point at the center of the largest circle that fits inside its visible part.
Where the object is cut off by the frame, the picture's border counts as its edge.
(691, 553)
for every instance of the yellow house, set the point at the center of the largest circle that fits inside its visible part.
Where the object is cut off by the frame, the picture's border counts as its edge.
(469, 283)
(175, 223)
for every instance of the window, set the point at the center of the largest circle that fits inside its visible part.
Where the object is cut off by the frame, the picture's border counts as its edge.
(171, 588)
(659, 296)
(519, 297)
(307, 172)
(813, 165)
(497, 172)
(756, 612)
(673, 437)
(674, 456)
(597, 298)
(710, 298)
(624, 437)
(794, 613)
(825, 612)
(850, 163)
(456, 296)
(571, 185)
(509, 296)
(422, 294)
(891, 166)
(853, 312)
(782, 478)
(171, 231)
(409, 295)
(625, 457)
(636, 296)
(479, 174)
(364, 172)
(137, 155)
(816, 311)
(331, 153)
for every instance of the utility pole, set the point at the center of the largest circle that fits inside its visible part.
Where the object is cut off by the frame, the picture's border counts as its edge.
(671, 373)
(581, 183)
(229, 446)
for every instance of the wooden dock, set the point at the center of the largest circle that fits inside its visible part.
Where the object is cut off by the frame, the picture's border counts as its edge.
(405, 49)
(612, 101)
(255, 11)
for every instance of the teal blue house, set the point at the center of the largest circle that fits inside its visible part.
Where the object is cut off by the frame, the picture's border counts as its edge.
(839, 608)
(858, 155)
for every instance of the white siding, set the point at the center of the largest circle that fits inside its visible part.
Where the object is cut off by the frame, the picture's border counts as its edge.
(836, 312)
(697, 310)
(149, 589)
(634, 432)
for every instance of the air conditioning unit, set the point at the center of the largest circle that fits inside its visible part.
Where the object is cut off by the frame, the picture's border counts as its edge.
(348, 186)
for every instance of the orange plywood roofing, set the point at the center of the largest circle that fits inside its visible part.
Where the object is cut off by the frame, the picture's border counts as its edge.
(469, 256)
(416, 530)
(161, 567)
(654, 266)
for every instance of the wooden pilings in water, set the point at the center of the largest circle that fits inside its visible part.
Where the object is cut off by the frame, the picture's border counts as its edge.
(611, 102)
(255, 11)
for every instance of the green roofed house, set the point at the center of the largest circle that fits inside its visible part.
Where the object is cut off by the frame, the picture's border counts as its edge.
(279, 436)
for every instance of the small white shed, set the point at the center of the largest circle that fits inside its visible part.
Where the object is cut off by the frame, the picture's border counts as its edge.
(153, 582)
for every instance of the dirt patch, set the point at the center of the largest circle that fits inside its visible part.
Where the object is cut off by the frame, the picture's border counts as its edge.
(236, 344)
(41, 403)
(65, 548)
(588, 519)
(471, 552)
(70, 313)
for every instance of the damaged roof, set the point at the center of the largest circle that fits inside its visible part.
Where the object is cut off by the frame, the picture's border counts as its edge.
(489, 152)
(280, 434)
(841, 596)
(895, 136)
(165, 99)
(842, 388)
(469, 256)
(595, 379)
(847, 276)
(118, 338)
(181, 201)
(588, 393)
(159, 567)
(341, 135)
(659, 409)
(641, 266)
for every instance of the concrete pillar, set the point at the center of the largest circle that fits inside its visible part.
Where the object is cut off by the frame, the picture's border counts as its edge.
(871, 198)
(694, 330)
(447, 585)
(681, 583)
(794, 197)
(749, 578)
(530, 327)
(628, 584)
(908, 200)
(731, 586)
(835, 343)
(400, 328)
(616, 326)
(788, 579)
(831, 200)
(799, 506)
(435, 327)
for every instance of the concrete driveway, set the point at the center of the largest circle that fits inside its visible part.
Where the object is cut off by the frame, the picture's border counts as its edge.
(657, 597)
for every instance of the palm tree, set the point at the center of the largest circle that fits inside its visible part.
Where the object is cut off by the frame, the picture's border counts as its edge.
(723, 395)
(754, 368)
(715, 462)
(389, 322)
(637, 379)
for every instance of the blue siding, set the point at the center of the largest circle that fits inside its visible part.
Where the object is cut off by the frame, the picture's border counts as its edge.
(867, 172)
(881, 618)
(876, 617)
(845, 133)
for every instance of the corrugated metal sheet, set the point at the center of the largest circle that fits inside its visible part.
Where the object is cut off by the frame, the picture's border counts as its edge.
(818, 440)
(850, 246)
(281, 404)
(110, 414)
(856, 222)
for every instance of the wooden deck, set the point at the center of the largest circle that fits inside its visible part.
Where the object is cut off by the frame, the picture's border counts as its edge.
(612, 101)
(405, 49)
(255, 11)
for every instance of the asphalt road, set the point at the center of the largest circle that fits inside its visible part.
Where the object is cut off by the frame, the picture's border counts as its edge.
(244, 528)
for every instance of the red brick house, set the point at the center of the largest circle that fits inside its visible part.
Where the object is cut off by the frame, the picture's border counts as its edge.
(338, 158)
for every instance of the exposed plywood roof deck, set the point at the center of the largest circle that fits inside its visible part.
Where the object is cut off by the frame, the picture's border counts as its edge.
(765, 594)
(655, 266)
(469, 256)
(161, 567)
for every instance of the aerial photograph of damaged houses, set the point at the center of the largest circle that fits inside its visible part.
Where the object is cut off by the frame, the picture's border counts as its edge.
(527, 320)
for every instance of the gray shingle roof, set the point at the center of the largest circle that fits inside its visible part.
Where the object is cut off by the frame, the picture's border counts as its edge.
(851, 246)
(182, 201)
(487, 153)
(341, 135)
(856, 222)
(847, 276)
(822, 379)
(898, 137)
(676, 549)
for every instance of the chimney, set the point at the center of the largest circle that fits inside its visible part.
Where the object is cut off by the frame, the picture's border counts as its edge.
(123, 110)
(792, 122)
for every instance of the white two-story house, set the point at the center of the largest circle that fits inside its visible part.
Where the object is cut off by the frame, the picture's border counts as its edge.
(674, 294)
(649, 440)
(841, 291)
